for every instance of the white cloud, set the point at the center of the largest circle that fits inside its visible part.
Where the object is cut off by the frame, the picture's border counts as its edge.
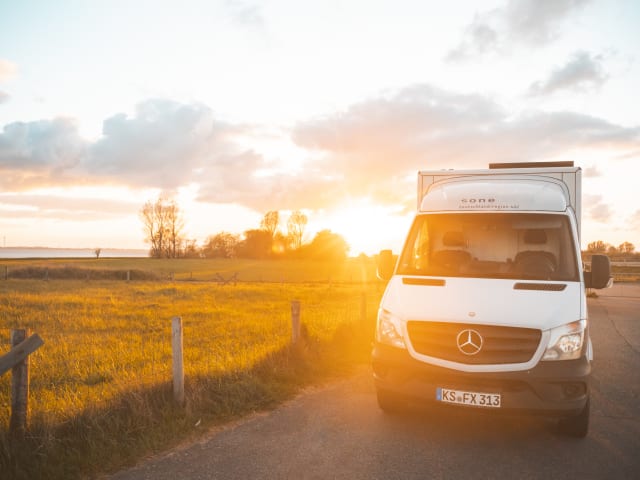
(531, 23)
(592, 172)
(32, 152)
(426, 127)
(581, 73)
(372, 149)
(245, 14)
(164, 144)
(596, 209)
(4, 97)
(375, 147)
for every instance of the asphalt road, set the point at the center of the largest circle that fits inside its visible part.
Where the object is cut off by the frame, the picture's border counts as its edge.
(337, 431)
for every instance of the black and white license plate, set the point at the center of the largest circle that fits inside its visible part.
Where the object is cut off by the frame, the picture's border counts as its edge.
(473, 399)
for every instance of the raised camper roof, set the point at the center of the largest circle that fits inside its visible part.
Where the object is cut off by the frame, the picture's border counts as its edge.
(532, 186)
(499, 193)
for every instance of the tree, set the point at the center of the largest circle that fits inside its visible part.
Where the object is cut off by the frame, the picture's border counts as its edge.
(295, 228)
(256, 244)
(97, 252)
(163, 224)
(221, 245)
(190, 249)
(327, 245)
(270, 222)
(175, 224)
(597, 247)
(626, 248)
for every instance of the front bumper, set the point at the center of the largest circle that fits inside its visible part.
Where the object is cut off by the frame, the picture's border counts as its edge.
(558, 388)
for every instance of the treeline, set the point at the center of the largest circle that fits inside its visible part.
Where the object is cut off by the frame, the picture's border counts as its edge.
(625, 250)
(163, 225)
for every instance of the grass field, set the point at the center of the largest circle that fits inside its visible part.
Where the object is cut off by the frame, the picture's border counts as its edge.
(101, 394)
(353, 270)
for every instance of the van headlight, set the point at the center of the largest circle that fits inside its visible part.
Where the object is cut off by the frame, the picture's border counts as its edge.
(565, 342)
(388, 331)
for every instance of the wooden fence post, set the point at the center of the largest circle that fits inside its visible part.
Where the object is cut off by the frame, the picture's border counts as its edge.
(19, 389)
(295, 321)
(178, 366)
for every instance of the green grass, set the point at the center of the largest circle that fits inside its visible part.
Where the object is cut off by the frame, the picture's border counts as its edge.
(353, 270)
(101, 392)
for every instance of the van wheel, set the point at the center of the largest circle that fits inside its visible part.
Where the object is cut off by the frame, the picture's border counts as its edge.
(577, 426)
(389, 402)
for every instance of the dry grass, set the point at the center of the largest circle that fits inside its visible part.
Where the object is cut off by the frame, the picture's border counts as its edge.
(101, 384)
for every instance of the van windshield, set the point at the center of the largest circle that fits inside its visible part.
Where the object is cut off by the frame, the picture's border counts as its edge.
(491, 245)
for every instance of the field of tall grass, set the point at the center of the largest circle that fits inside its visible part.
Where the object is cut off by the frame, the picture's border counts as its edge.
(101, 392)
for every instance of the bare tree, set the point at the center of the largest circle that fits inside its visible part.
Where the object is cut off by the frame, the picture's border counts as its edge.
(295, 228)
(150, 226)
(270, 222)
(174, 226)
(163, 224)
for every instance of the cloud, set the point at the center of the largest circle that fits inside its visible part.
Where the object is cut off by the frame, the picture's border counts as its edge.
(164, 144)
(592, 172)
(245, 14)
(582, 73)
(372, 149)
(531, 23)
(7, 70)
(4, 97)
(375, 144)
(597, 209)
(30, 152)
(424, 127)
(375, 147)
(63, 207)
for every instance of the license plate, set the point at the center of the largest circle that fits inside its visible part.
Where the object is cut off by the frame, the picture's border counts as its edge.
(474, 399)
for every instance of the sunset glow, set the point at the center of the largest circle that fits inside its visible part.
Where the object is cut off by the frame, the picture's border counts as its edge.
(239, 107)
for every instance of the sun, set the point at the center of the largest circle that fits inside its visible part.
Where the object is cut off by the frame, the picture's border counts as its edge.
(367, 227)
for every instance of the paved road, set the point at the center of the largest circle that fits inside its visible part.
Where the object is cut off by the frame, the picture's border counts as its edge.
(338, 432)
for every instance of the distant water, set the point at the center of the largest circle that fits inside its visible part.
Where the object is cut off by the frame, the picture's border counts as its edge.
(39, 252)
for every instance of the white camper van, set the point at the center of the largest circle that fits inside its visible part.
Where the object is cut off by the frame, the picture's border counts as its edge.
(486, 305)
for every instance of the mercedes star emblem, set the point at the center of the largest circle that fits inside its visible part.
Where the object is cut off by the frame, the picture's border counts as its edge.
(469, 341)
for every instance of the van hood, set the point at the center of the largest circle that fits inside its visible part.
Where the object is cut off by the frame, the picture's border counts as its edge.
(530, 304)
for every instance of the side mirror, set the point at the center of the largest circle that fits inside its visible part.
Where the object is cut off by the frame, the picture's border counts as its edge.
(385, 265)
(600, 274)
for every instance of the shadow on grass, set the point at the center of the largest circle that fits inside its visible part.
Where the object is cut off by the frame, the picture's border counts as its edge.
(147, 420)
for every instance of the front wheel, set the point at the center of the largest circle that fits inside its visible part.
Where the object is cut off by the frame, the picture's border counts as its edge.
(577, 426)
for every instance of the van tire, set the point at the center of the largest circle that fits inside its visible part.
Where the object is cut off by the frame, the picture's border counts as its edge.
(389, 402)
(577, 426)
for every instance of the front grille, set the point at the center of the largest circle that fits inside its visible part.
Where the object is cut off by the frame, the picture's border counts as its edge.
(499, 344)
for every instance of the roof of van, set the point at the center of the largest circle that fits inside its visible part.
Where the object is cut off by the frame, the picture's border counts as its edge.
(496, 194)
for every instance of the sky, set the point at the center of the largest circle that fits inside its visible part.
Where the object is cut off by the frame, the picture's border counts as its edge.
(238, 107)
